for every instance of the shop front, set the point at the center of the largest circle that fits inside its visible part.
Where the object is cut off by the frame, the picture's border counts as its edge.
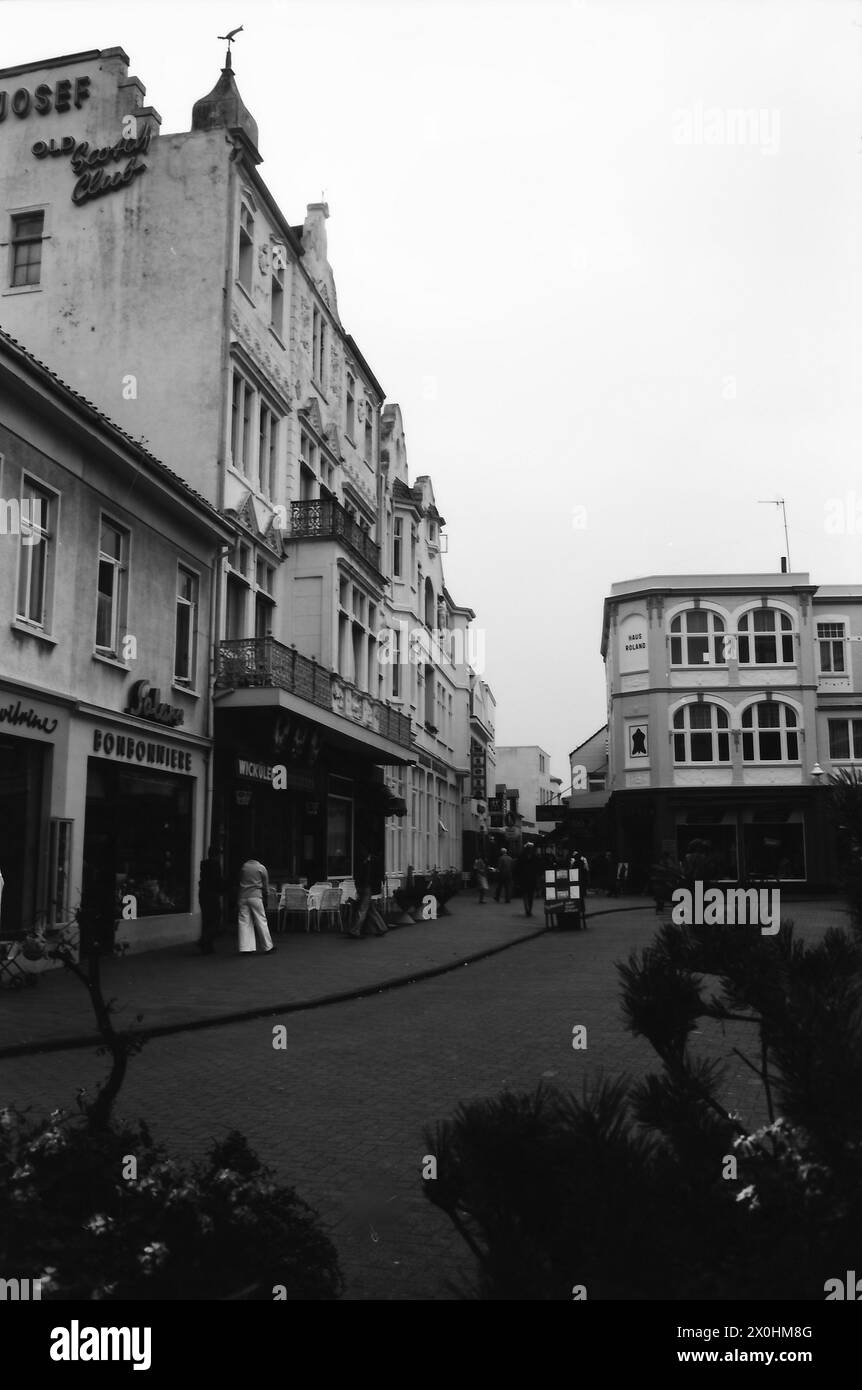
(759, 832)
(141, 799)
(294, 795)
(35, 847)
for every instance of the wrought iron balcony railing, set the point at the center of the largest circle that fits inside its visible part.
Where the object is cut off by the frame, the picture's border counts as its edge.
(262, 661)
(326, 519)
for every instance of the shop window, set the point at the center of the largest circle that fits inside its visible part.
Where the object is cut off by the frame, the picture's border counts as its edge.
(112, 588)
(28, 231)
(137, 838)
(185, 641)
(242, 404)
(697, 636)
(318, 348)
(717, 843)
(830, 646)
(765, 638)
(769, 733)
(701, 734)
(845, 740)
(350, 408)
(36, 554)
(774, 851)
(339, 836)
(60, 860)
(245, 261)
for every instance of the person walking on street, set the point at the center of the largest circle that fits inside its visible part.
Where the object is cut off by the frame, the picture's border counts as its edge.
(211, 885)
(504, 877)
(480, 869)
(252, 923)
(369, 884)
(530, 867)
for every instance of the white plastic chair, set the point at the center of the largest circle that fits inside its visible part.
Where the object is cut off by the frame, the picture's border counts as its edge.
(293, 899)
(315, 900)
(329, 905)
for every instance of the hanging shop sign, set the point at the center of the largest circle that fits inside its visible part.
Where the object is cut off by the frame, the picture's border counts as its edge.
(94, 178)
(44, 98)
(146, 702)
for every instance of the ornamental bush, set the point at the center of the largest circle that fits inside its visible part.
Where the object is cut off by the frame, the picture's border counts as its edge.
(220, 1228)
(655, 1189)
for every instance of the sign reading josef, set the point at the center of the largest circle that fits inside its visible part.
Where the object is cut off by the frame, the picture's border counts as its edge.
(89, 164)
(45, 98)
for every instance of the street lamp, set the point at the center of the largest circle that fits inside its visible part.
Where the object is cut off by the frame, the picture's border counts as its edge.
(816, 773)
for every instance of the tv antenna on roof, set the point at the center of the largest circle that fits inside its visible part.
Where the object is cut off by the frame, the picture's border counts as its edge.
(778, 502)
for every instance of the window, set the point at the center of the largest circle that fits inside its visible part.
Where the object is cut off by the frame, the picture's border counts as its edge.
(308, 465)
(771, 636)
(111, 588)
(396, 663)
(429, 604)
(369, 434)
(28, 230)
(769, 733)
(246, 247)
(397, 545)
(696, 637)
(240, 426)
(36, 554)
(429, 699)
(318, 347)
(267, 450)
(276, 303)
(701, 734)
(186, 628)
(541, 762)
(845, 740)
(350, 411)
(830, 643)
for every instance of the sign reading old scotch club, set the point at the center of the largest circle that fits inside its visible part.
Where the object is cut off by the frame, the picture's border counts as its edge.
(89, 164)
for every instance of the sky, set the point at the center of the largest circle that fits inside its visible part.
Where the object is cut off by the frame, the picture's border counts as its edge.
(603, 253)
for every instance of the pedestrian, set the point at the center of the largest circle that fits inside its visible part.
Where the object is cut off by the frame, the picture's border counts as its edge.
(211, 885)
(369, 884)
(529, 868)
(504, 877)
(252, 923)
(480, 869)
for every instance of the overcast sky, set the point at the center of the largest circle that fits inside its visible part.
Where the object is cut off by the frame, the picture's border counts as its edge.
(614, 314)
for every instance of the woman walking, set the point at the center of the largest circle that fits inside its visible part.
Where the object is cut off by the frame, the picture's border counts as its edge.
(253, 928)
(480, 869)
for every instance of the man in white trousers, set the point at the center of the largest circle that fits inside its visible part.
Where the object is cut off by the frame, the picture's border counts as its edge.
(253, 928)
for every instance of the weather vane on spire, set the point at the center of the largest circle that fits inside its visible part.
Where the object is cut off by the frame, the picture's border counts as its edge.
(231, 37)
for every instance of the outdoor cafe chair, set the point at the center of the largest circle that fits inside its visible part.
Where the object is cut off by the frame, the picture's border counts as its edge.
(329, 905)
(293, 899)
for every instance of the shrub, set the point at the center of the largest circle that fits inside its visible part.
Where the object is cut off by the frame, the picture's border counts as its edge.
(216, 1229)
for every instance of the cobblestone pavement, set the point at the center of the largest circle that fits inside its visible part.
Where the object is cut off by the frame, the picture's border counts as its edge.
(341, 1112)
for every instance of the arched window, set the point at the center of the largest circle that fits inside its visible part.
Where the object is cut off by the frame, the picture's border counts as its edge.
(430, 604)
(696, 638)
(765, 638)
(701, 734)
(770, 733)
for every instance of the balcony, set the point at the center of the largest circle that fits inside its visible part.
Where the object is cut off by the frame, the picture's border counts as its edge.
(326, 520)
(254, 662)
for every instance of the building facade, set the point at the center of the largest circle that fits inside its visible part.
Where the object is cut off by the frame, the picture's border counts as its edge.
(159, 275)
(525, 770)
(731, 698)
(109, 569)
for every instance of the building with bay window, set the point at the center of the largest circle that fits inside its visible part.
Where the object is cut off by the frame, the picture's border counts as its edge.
(731, 698)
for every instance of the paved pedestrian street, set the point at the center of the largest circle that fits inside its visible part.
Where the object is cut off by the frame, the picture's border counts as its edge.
(340, 1112)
